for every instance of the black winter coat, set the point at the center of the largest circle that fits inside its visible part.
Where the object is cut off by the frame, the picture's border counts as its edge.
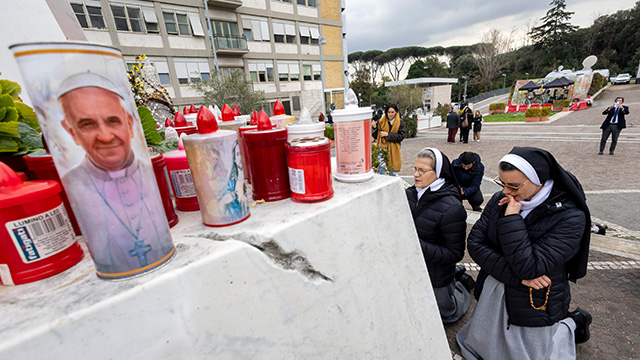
(512, 249)
(471, 180)
(440, 221)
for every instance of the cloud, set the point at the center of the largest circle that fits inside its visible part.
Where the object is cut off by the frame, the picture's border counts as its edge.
(387, 24)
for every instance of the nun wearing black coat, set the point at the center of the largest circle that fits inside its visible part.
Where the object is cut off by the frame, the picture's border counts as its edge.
(530, 240)
(440, 221)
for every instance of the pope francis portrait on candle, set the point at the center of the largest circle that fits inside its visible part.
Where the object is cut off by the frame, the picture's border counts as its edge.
(114, 193)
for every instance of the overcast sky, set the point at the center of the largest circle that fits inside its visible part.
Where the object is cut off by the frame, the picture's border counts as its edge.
(385, 24)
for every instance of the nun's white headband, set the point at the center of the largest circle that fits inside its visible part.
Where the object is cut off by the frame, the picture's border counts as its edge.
(523, 165)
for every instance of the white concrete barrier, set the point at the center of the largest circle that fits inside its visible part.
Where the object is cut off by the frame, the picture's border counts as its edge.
(330, 280)
(428, 122)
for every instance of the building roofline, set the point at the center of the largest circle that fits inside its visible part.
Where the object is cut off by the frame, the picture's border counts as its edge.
(425, 81)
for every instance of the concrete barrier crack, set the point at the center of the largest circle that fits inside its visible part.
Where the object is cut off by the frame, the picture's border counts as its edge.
(293, 260)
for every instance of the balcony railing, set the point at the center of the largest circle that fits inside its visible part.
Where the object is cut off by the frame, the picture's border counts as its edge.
(224, 42)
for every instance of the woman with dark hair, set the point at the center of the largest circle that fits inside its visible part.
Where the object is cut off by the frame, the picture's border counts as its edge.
(531, 239)
(233, 201)
(477, 126)
(389, 133)
(466, 118)
(439, 218)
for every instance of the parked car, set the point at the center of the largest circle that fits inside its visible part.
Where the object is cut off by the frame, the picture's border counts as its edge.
(622, 79)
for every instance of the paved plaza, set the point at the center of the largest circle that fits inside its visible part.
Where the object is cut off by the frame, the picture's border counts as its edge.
(611, 289)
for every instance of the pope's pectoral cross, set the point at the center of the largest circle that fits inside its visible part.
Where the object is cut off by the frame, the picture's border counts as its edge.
(140, 250)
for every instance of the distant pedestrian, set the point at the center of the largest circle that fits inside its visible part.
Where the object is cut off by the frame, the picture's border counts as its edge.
(469, 171)
(389, 133)
(477, 126)
(613, 124)
(466, 119)
(453, 122)
(428, 107)
(329, 118)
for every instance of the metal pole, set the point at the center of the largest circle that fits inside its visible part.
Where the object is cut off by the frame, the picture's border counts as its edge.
(465, 88)
(213, 45)
(322, 42)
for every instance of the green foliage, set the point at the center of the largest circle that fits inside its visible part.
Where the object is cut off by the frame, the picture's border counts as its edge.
(597, 82)
(558, 103)
(149, 126)
(361, 85)
(566, 103)
(492, 106)
(411, 125)
(30, 137)
(377, 153)
(165, 146)
(406, 97)
(501, 106)
(234, 89)
(532, 112)
(17, 119)
(555, 26)
(328, 132)
(545, 111)
(429, 67)
(441, 111)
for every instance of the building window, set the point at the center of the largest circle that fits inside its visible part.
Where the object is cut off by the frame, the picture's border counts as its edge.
(284, 33)
(192, 70)
(150, 20)
(261, 72)
(314, 34)
(160, 65)
(306, 73)
(89, 14)
(255, 29)
(316, 72)
(176, 23)
(311, 3)
(226, 36)
(288, 71)
(268, 106)
(128, 18)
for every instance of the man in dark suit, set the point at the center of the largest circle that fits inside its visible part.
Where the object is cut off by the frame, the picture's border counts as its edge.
(613, 124)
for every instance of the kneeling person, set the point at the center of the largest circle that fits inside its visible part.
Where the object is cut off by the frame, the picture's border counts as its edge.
(440, 222)
(469, 172)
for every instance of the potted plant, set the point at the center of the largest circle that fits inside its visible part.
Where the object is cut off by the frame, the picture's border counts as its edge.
(492, 108)
(501, 108)
(532, 115)
(328, 133)
(565, 105)
(544, 113)
(557, 105)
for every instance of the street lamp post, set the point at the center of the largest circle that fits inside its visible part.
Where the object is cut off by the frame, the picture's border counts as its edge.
(527, 75)
(322, 41)
(466, 78)
(504, 81)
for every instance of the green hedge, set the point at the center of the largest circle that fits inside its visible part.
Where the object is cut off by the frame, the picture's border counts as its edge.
(328, 132)
(492, 106)
(566, 103)
(532, 112)
(597, 82)
(412, 127)
(442, 111)
(545, 111)
(501, 106)
(558, 103)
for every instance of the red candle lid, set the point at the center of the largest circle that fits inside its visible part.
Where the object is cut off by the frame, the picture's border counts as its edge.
(168, 123)
(186, 110)
(192, 109)
(13, 191)
(236, 110)
(227, 113)
(264, 123)
(206, 121)
(254, 118)
(179, 120)
(278, 109)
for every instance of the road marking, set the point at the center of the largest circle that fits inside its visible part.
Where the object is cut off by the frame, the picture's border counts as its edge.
(592, 265)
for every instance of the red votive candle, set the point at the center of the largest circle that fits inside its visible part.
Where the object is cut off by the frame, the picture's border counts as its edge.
(309, 162)
(159, 169)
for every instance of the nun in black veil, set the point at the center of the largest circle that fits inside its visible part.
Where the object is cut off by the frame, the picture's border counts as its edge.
(440, 221)
(531, 239)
